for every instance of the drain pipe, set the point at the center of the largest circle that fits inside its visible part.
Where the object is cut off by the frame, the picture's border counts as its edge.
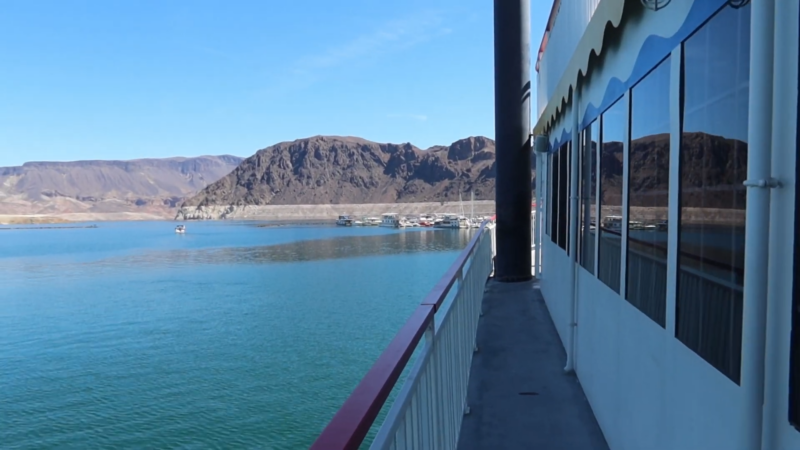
(573, 237)
(758, 185)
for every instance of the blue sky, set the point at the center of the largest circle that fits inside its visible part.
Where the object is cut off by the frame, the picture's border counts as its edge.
(117, 79)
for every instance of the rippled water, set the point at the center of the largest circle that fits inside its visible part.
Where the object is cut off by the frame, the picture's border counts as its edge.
(230, 336)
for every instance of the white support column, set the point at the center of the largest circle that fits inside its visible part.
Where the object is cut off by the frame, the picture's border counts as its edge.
(776, 430)
(573, 234)
(757, 221)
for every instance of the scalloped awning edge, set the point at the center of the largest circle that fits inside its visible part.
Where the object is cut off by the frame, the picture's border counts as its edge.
(608, 12)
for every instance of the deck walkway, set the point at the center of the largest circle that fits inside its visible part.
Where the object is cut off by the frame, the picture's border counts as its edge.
(519, 395)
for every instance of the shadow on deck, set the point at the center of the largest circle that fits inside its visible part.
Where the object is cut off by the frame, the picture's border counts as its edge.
(519, 395)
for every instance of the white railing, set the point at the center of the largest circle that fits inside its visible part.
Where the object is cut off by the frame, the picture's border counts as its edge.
(428, 410)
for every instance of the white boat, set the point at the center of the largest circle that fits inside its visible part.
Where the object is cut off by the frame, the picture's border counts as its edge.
(180, 229)
(612, 223)
(453, 221)
(372, 221)
(390, 220)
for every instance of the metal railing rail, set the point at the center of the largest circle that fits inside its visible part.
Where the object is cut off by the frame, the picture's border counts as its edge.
(428, 409)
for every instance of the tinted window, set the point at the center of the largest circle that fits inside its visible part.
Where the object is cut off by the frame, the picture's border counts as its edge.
(713, 165)
(554, 197)
(563, 195)
(794, 372)
(648, 191)
(588, 188)
(610, 246)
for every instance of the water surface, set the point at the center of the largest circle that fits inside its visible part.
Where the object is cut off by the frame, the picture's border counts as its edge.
(230, 336)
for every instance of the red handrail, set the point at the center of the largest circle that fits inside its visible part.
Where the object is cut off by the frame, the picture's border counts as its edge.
(350, 425)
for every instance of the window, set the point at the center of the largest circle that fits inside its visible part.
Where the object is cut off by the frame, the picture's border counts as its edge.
(610, 245)
(648, 191)
(794, 365)
(563, 195)
(580, 156)
(548, 195)
(588, 189)
(713, 165)
(554, 197)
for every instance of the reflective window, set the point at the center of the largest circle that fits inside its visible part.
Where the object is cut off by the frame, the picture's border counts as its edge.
(563, 195)
(554, 158)
(588, 190)
(648, 194)
(794, 372)
(713, 164)
(610, 245)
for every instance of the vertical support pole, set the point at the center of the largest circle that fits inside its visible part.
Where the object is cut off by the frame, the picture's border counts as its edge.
(786, 75)
(573, 233)
(757, 219)
(512, 90)
(754, 315)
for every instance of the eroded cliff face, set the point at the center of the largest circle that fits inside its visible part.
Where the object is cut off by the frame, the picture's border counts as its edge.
(349, 170)
(144, 185)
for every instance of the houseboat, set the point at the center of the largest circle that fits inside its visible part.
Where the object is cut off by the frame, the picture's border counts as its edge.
(390, 220)
(698, 334)
(453, 221)
(685, 110)
(345, 221)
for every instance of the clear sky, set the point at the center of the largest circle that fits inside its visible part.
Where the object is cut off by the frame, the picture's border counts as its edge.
(123, 79)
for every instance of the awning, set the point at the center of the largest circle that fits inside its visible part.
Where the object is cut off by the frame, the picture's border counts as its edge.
(607, 15)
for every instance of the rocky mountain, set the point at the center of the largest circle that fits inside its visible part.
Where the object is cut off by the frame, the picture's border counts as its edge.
(144, 185)
(712, 171)
(351, 170)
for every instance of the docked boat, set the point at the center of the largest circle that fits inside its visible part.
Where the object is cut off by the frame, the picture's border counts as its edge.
(612, 223)
(371, 221)
(426, 220)
(453, 221)
(345, 221)
(180, 229)
(390, 220)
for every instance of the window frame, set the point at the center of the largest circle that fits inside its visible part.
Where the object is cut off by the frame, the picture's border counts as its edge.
(624, 99)
(663, 64)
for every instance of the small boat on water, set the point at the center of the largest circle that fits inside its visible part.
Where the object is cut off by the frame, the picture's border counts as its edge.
(180, 229)
(452, 221)
(390, 220)
(372, 221)
(345, 221)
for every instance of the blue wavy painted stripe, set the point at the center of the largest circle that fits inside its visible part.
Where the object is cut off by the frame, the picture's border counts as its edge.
(555, 145)
(653, 51)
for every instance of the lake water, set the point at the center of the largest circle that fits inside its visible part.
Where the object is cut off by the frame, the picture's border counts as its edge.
(231, 336)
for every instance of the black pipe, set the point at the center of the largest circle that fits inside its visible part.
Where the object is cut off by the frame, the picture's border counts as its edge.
(512, 105)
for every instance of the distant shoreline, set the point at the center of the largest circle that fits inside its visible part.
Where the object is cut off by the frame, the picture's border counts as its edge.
(56, 227)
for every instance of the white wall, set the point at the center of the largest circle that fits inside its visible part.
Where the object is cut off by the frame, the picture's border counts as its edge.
(648, 391)
(555, 284)
(573, 17)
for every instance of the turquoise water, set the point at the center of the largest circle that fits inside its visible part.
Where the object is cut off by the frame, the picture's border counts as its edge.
(231, 336)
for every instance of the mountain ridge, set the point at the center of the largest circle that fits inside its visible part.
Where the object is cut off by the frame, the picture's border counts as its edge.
(147, 185)
(351, 170)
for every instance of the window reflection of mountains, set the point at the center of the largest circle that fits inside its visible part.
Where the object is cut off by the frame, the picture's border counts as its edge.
(316, 250)
(712, 170)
